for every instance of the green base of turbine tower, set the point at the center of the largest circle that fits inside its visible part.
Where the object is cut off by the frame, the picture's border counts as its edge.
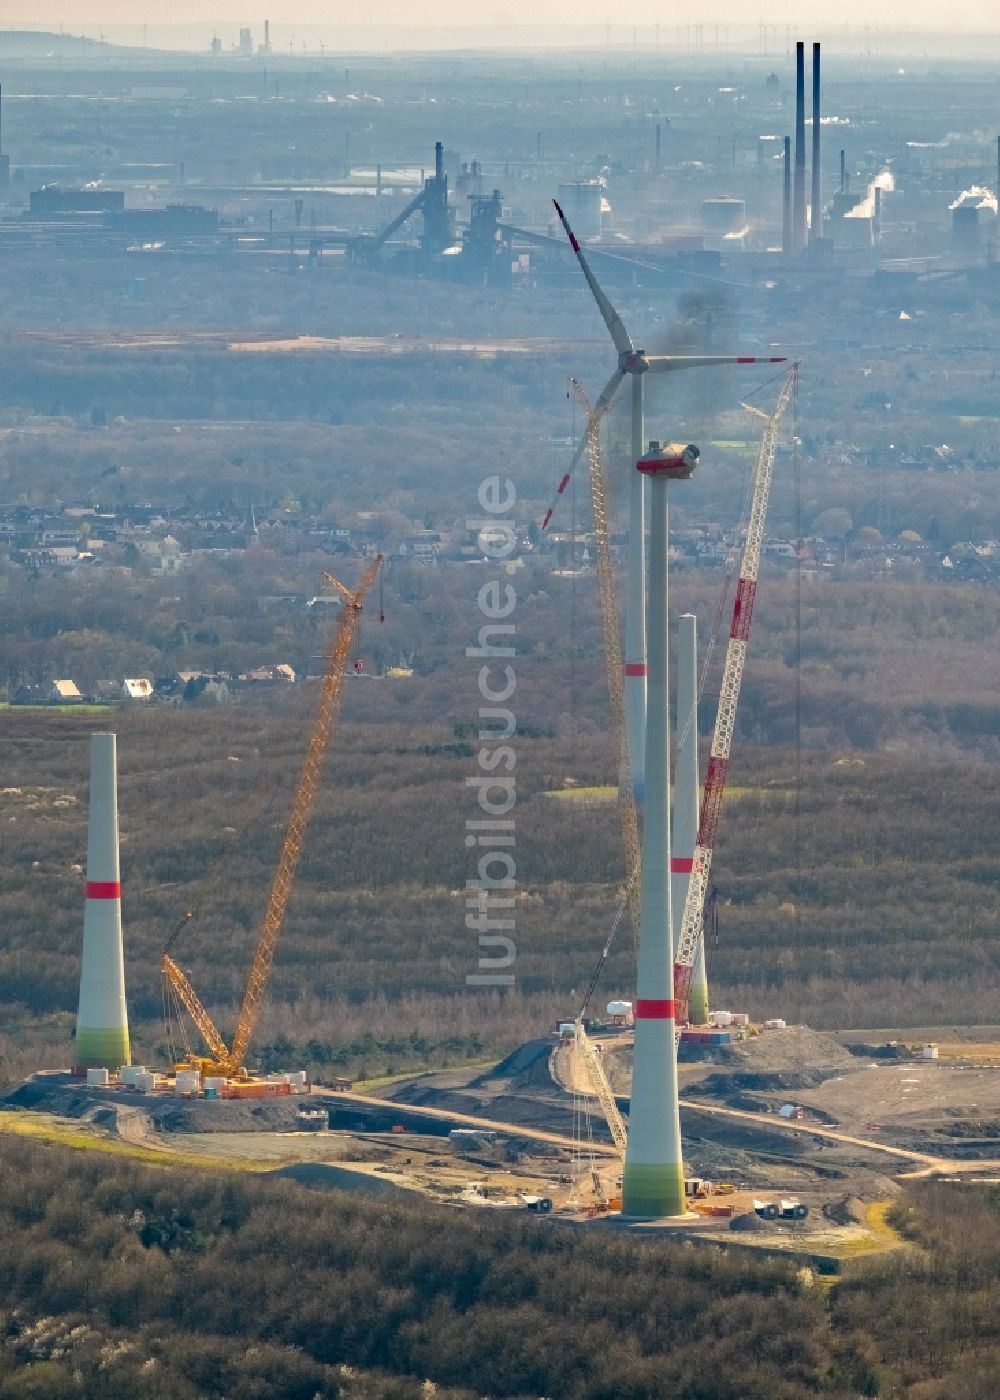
(654, 1190)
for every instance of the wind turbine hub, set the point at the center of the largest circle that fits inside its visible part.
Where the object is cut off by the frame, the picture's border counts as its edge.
(633, 362)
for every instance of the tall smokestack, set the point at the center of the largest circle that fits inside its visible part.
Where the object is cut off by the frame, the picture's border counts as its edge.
(267, 37)
(659, 140)
(653, 1179)
(438, 160)
(843, 168)
(786, 206)
(816, 216)
(799, 191)
(686, 804)
(102, 1020)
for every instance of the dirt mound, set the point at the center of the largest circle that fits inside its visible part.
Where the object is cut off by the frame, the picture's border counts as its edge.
(528, 1064)
(752, 1223)
(794, 1050)
(782, 1082)
(849, 1210)
(325, 1177)
(774, 1061)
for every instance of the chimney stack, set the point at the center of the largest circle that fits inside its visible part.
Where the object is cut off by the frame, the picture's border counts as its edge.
(843, 168)
(799, 190)
(786, 208)
(438, 160)
(816, 215)
(102, 1039)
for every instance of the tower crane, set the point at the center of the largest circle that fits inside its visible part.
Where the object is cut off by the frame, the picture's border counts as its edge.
(693, 917)
(229, 1060)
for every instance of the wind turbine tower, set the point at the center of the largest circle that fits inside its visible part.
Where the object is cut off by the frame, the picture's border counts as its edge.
(102, 1020)
(653, 1179)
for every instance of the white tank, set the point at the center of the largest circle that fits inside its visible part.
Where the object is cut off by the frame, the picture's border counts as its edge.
(619, 1008)
(720, 1018)
(98, 1077)
(187, 1081)
(741, 1018)
(215, 1081)
(145, 1082)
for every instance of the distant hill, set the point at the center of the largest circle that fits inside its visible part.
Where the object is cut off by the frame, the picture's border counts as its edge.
(39, 43)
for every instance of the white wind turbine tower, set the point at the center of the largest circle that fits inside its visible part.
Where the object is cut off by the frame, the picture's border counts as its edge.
(637, 364)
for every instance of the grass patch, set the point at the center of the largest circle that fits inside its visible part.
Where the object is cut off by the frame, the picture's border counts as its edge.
(584, 794)
(48, 1128)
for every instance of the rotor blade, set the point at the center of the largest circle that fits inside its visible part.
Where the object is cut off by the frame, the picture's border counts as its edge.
(616, 328)
(602, 404)
(658, 364)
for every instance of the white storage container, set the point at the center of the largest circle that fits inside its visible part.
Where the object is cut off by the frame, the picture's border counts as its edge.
(98, 1078)
(720, 1018)
(145, 1082)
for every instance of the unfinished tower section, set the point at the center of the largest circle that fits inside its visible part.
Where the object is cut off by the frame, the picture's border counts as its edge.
(102, 1020)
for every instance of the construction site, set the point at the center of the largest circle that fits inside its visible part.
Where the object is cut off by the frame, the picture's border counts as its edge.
(645, 1107)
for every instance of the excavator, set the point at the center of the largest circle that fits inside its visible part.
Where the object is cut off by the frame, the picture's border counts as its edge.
(229, 1060)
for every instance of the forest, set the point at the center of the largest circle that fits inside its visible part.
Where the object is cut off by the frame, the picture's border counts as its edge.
(845, 898)
(119, 1279)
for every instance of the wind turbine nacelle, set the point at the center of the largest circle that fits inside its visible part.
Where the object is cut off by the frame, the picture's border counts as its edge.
(673, 460)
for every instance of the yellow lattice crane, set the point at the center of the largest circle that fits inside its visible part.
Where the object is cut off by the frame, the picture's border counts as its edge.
(627, 809)
(229, 1060)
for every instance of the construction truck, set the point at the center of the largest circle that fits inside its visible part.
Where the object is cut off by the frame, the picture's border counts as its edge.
(699, 1188)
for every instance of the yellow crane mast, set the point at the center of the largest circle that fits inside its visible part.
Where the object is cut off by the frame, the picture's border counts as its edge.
(627, 809)
(229, 1060)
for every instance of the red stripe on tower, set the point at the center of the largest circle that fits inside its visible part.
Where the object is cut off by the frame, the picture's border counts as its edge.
(562, 485)
(103, 889)
(681, 865)
(548, 517)
(635, 668)
(646, 1010)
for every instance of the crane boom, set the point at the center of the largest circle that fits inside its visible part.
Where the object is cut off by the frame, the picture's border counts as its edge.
(230, 1060)
(599, 1083)
(692, 920)
(613, 654)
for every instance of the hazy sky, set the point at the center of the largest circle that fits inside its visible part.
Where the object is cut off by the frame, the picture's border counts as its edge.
(87, 16)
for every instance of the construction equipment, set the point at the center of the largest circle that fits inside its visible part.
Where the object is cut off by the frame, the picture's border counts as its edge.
(692, 920)
(627, 807)
(229, 1061)
(591, 1060)
(781, 1210)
